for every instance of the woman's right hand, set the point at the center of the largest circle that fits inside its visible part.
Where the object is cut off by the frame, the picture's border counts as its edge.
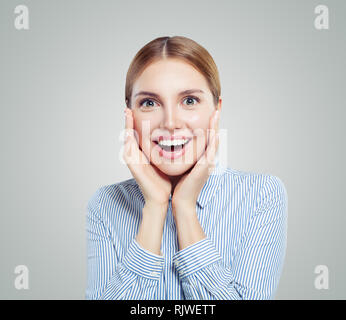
(155, 186)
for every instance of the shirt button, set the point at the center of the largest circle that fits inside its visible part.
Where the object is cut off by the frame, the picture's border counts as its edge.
(158, 263)
(177, 263)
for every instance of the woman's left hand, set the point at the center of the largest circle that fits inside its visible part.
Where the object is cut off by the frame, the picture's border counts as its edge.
(190, 185)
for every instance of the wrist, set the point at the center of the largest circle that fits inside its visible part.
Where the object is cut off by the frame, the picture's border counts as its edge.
(189, 231)
(150, 231)
(154, 209)
(156, 204)
(184, 203)
(184, 211)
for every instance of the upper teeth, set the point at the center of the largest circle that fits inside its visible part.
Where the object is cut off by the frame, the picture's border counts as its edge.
(172, 142)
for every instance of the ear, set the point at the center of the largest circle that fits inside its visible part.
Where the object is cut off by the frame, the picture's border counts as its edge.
(219, 105)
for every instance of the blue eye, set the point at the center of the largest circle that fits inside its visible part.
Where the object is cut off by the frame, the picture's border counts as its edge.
(191, 99)
(141, 103)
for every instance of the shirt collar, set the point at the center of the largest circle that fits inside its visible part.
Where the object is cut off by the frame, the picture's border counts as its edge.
(212, 185)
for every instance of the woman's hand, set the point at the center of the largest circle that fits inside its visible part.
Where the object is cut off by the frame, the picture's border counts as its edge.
(190, 185)
(155, 186)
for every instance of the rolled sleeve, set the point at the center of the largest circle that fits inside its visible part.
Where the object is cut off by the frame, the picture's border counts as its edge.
(195, 257)
(143, 262)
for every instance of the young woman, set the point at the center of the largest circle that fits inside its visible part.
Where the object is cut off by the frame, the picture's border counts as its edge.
(184, 227)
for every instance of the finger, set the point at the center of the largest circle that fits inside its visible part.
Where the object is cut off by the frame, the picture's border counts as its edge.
(128, 131)
(132, 134)
(213, 128)
(135, 154)
(217, 121)
(209, 156)
(210, 153)
(129, 142)
(216, 132)
(128, 123)
(217, 129)
(213, 125)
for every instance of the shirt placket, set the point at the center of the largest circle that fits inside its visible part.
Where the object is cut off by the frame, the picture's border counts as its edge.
(167, 249)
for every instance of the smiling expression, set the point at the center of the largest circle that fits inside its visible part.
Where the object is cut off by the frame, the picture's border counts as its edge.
(172, 99)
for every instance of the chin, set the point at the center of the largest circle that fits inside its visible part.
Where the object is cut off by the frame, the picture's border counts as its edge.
(174, 169)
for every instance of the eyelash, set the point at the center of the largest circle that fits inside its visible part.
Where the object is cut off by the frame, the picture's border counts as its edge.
(146, 99)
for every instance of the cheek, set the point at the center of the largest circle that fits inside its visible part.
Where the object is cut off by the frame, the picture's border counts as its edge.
(194, 118)
(199, 120)
(199, 124)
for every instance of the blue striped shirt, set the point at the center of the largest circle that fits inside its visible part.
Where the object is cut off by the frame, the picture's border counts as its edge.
(244, 217)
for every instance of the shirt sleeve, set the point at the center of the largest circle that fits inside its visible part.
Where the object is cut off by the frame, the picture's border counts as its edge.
(256, 268)
(136, 276)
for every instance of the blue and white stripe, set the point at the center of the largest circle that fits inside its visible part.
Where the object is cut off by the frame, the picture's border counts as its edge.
(244, 216)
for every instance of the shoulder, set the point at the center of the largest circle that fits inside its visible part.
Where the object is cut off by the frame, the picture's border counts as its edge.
(263, 180)
(260, 186)
(115, 190)
(112, 196)
(119, 190)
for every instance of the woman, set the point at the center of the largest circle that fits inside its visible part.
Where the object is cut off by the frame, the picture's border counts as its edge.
(184, 227)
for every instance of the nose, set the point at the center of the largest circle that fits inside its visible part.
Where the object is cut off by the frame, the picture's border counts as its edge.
(171, 119)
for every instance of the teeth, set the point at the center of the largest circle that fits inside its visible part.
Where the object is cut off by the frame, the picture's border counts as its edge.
(170, 143)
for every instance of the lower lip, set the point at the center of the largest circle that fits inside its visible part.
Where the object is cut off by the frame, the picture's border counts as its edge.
(171, 155)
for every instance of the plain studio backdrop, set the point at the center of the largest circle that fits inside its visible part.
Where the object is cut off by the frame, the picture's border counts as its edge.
(62, 98)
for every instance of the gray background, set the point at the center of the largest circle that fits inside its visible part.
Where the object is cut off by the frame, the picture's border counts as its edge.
(62, 99)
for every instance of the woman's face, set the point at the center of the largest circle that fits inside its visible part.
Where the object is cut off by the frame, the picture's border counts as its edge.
(169, 99)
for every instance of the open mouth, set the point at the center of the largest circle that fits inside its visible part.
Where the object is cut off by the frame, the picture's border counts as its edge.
(173, 148)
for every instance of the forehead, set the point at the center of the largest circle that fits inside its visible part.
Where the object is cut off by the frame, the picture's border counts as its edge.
(170, 75)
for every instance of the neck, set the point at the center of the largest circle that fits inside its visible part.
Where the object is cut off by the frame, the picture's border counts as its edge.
(174, 181)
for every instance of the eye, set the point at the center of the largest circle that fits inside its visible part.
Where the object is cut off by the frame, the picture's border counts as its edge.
(190, 100)
(151, 103)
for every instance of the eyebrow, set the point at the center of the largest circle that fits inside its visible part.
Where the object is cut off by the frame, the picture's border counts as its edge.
(155, 95)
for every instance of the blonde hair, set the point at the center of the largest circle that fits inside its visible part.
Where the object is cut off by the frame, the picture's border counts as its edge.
(174, 47)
